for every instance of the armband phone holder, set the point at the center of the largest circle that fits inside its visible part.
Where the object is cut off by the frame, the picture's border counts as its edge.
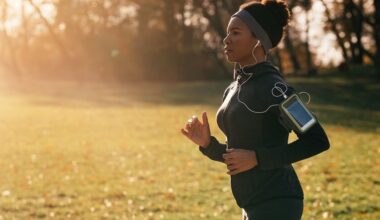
(295, 116)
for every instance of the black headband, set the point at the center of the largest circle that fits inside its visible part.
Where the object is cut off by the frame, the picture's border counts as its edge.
(255, 28)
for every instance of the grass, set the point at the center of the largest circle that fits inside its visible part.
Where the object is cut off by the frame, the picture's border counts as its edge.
(112, 151)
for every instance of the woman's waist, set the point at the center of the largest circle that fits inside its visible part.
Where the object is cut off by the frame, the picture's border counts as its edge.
(259, 177)
(252, 143)
(257, 184)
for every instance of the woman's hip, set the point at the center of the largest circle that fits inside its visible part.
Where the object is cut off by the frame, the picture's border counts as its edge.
(279, 208)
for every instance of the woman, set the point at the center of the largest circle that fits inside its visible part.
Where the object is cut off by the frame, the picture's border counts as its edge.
(257, 154)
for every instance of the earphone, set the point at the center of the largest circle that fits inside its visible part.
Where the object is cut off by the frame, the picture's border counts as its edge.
(253, 51)
(277, 86)
(254, 57)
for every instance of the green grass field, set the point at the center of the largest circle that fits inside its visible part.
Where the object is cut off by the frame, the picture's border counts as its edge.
(112, 151)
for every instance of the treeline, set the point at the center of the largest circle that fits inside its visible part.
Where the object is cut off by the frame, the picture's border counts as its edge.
(166, 39)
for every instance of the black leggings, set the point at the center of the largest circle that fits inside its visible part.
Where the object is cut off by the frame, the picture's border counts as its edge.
(275, 209)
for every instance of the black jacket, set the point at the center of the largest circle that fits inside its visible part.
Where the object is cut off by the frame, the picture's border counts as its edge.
(263, 133)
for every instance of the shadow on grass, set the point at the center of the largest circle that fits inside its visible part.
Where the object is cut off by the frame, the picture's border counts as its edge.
(121, 95)
(352, 101)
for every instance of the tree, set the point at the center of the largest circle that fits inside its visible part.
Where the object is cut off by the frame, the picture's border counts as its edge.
(57, 40)
(376, 33)
(334, 27)
(353, 15)
(310, 70)
(9, 44)
(288, 42)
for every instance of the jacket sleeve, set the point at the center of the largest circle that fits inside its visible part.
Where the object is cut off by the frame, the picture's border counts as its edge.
(214, 150)
(310, 143)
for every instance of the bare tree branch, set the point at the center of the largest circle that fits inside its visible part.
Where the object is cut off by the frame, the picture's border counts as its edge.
(50, 28)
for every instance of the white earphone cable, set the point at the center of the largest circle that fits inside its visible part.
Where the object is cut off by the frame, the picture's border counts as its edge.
(277, 86)
(282, 92)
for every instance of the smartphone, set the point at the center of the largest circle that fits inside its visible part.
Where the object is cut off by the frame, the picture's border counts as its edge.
(296, 113)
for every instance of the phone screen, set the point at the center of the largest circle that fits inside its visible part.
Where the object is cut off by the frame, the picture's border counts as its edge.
(299, 113)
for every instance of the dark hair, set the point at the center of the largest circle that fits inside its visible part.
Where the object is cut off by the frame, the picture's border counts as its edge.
(273, 16)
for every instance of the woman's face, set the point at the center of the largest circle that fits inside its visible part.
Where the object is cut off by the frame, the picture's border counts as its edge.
(239, 42)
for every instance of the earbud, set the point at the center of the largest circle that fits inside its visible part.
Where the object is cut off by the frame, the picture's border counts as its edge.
(253, 50)
(258, 42)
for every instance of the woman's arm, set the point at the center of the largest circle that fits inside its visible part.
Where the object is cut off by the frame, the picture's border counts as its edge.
(311, 143)
(214, 150)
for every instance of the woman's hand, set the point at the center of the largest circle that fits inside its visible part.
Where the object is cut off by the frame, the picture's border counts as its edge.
(196, 131)
(239, 160)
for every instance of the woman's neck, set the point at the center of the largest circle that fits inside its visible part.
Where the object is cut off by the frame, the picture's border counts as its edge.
(251, 61)
(242, 64)
(256, 57)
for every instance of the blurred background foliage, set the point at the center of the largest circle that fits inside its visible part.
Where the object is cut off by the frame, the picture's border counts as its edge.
(173, 39)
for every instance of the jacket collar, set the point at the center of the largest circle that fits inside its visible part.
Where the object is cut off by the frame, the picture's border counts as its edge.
(257, 70)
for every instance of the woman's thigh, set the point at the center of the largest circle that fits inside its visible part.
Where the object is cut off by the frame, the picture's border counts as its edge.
(281, 209)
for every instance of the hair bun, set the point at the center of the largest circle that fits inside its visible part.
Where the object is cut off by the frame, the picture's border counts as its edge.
(279, 9)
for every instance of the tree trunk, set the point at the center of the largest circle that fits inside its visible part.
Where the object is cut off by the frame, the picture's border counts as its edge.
(309, 63)
(217, 25)
(336, 31)
(232, 6)
(171, 26)
(14, 67)
(377, 37)
(292, 54)
(59, 43)
(357, 19)
(354, 26)
(25, 36)
(215, 19)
